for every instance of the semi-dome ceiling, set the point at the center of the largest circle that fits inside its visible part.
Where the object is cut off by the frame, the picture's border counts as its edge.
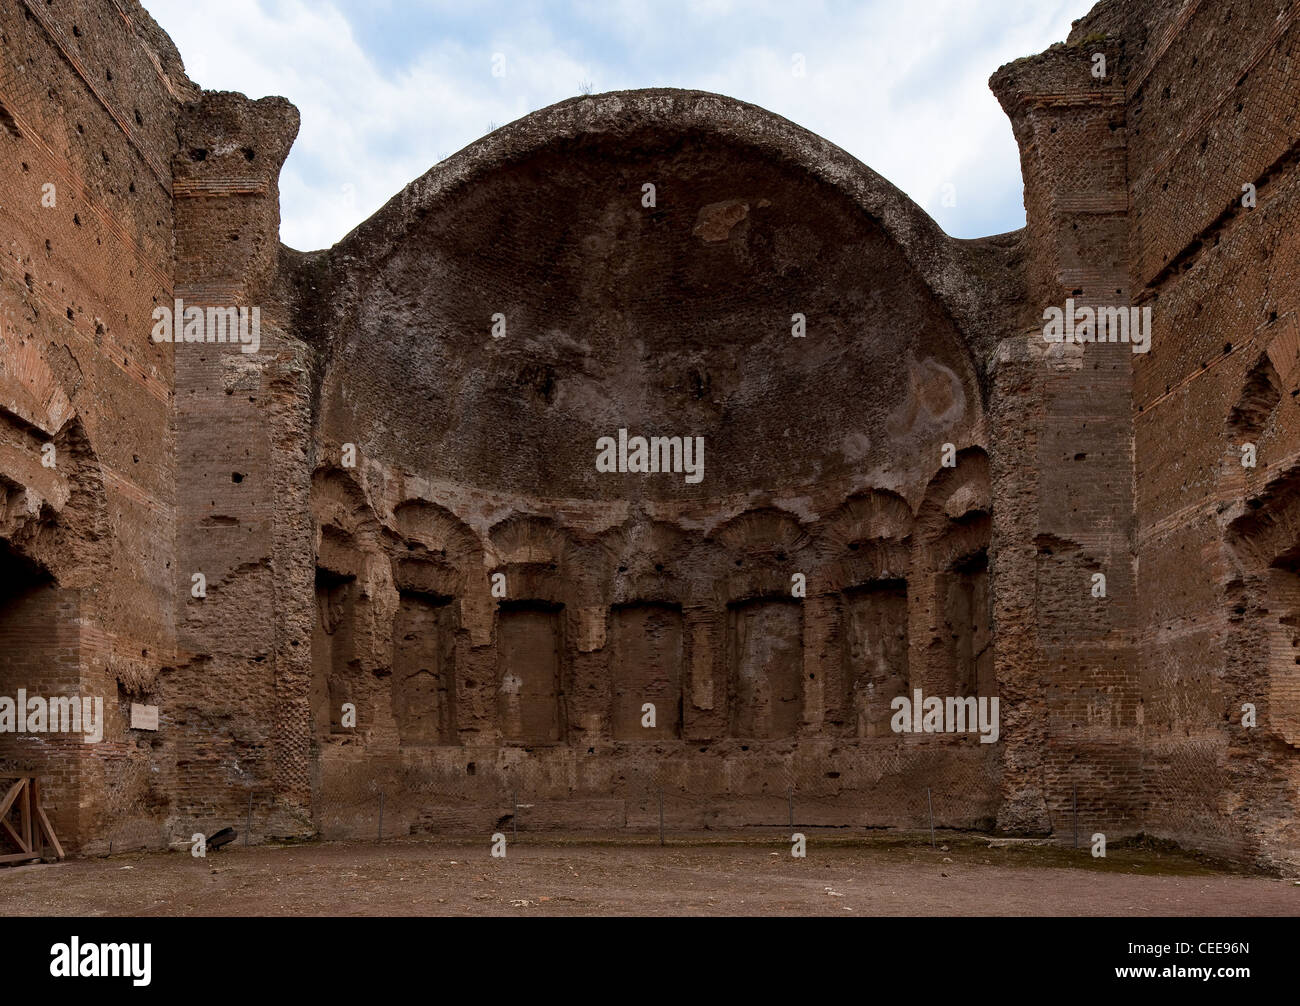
(671, 319)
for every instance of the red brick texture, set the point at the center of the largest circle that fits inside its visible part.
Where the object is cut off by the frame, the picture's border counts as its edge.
(419, 586)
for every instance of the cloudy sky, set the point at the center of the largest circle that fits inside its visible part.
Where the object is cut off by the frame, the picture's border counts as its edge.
(389, 87)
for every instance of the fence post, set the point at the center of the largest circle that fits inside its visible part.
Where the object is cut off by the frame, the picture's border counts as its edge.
(249, 830)
(381, 815)
(1074, 800)
(930, 803)
(661, 816)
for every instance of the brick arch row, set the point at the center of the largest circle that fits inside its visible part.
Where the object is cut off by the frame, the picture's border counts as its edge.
(764, 625)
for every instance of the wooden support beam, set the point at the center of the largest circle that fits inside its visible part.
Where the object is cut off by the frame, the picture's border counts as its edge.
(13, 835)
(34, 827)
(46, 828)
(26, 816)
(14, 790)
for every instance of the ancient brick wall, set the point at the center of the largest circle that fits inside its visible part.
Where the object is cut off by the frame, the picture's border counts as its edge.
(375, 555)
(89, 93)
(447, 457)
(1200, 101)
(1213, 108)
(239, 693)
(1063, 467)
(111, 209)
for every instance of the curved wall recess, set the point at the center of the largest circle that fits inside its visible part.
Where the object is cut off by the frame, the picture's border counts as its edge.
(780, 314)
(54, 537)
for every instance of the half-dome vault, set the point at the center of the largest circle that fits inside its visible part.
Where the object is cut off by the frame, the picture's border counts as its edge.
(650, 264)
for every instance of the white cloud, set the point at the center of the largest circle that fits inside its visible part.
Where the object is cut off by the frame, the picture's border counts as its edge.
(903, 89)
(366, 131)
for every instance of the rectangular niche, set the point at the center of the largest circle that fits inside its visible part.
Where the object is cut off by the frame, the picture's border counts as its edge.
(40, 653)
(1283, 641)
(875, 652)
(766, 657)
(967, 625)
(529, 697)
(646, 666)
(332, 651)
(424, 669)
(38, 636)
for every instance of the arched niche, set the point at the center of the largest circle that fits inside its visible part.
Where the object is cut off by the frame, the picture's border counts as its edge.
(674, 320)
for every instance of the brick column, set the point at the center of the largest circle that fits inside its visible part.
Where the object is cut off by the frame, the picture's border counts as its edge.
(243, 516)
(1063, 466)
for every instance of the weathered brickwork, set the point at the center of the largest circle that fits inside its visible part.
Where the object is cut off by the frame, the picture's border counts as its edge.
(91, 95)
(376, 558)
(1211, 538)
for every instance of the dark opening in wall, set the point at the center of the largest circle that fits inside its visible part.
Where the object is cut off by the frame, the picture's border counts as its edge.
(332, 652)
(25, 592)
(7, 121)
(40, 654)
(1283, 603)
(967, 625)
(529, 694)
(766, 658)
(424, 669)
(1259, 397)
(875, 651)
(646, 666)
(1248, 422)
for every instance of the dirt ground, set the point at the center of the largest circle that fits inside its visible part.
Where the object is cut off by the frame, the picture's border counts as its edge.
(553, 876)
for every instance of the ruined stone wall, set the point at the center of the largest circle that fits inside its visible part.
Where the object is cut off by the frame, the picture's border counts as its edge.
(1186, 208)
(447, 456)
(1212, 97)
(238, 695)
(377, 557)
(1062, 437)
(126, 189)
(89, 96)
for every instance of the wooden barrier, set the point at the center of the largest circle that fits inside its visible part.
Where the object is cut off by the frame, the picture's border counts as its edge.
(33, 829)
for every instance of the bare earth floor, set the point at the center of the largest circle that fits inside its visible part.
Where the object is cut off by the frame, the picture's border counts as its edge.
(555, 877)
